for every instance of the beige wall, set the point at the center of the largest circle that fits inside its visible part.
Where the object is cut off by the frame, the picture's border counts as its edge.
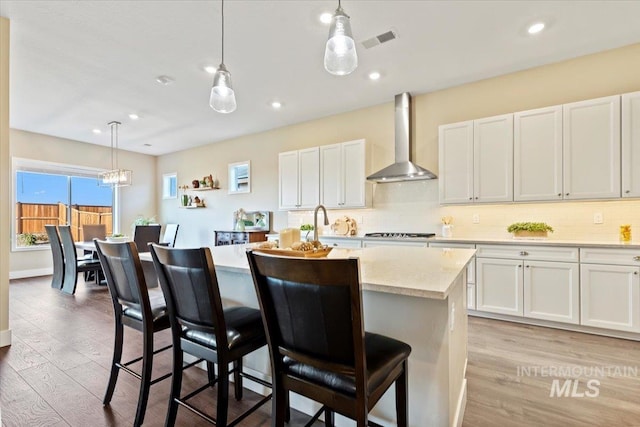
(5, 208)
(414, 206)
(139, 199)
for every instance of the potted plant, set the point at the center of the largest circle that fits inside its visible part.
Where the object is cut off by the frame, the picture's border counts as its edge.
(531, 230)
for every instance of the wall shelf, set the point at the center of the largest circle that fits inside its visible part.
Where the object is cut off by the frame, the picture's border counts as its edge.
(203, 189)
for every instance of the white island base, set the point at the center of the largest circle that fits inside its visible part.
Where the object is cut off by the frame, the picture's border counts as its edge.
(416, 295)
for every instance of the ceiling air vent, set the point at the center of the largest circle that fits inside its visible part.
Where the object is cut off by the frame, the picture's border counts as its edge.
(379, 39)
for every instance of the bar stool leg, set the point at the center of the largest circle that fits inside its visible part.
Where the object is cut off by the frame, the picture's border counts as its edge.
(402, 407)
(329, 419)
(117, 358)
(211, 373)
(145, 382)
(279, 404)
(223, 393)
(176, 385)
(237, 379)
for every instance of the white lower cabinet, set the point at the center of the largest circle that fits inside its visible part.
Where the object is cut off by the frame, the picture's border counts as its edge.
(499, 286)
(610, 292)
(551, 291)
(527, 281)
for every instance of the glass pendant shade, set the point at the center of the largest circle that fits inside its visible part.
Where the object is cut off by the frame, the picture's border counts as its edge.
(223, 98)
(340, 56)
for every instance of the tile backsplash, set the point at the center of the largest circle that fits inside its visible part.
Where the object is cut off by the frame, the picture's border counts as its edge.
(414, 207)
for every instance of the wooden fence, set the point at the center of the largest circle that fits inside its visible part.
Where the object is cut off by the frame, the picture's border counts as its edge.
(32, 217)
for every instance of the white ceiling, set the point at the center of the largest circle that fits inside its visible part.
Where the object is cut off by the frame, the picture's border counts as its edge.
(76, 65)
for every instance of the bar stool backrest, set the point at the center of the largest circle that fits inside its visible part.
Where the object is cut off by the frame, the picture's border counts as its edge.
(145, 234)
(93, 231)
(124, 275)
(58, 257)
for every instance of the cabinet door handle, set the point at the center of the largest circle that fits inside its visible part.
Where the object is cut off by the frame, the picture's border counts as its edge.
(559, 194)
(519, 265)
(566, 194)
(470, 198)
(636, 258)
(628, 191)
(528, 266)
(476, 197)
(524, 253)
(635, 272)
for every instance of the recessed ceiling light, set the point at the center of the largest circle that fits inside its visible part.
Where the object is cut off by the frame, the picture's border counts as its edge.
(374, 75)
(134, 116)
(211, 69)
(536, 28)
(276, 104)
(96, 131)
(164, 80)
(326, 17)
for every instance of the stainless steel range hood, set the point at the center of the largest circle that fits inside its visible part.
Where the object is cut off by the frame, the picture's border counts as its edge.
(403, 169)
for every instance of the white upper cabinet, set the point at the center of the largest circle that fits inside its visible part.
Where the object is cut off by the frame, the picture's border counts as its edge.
(493, 159)
(342, 175)
(476, 161)
(631, 144)
(456, 162)
(299, 178)
(591, 145)
(537, 154)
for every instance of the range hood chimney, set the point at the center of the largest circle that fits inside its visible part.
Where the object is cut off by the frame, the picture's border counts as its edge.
(403, 169)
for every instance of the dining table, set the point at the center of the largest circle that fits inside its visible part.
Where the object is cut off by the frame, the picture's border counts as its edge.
(147, 266)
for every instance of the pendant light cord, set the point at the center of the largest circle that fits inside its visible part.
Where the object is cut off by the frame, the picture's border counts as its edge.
(222, 10)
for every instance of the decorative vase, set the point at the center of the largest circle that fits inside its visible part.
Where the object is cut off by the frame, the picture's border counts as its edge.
(184, 200)
(447, 230)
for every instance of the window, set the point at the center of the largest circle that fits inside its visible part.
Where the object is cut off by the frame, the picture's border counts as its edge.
(169, 186)
(49, 193)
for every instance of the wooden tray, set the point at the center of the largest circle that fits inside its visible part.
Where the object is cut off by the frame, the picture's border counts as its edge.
(320, 253)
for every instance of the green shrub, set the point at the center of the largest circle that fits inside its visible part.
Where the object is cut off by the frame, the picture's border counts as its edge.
(529, 226)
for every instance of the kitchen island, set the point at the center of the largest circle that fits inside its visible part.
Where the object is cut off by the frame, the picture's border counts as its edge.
(413, 294)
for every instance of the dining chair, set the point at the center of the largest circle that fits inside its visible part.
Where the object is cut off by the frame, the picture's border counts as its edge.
(145, 234)
(201, 327)
(135, 306)
(93, 231)
(73, 265)
(58, 260)
(312, 312)
(170, 234)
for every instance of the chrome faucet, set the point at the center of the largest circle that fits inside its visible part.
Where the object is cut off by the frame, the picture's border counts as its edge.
(315, 220)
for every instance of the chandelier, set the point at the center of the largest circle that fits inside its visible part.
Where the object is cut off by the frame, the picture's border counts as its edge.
(115, 177)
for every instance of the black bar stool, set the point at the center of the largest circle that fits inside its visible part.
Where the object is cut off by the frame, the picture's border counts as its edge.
(58, 259)
(200, 326)
(73, 265)
(312, 311)
(137, 307)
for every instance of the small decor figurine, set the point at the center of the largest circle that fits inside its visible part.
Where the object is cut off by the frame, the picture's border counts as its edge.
(240, 217)
(195, 183)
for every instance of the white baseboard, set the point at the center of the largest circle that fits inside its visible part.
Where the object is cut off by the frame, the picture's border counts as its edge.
(5, 338)
(22, 274)
(461, 406)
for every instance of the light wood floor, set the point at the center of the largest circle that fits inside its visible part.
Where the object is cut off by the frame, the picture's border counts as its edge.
(55, 372)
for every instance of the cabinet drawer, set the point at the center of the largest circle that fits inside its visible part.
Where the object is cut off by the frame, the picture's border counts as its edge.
(452, 245)
(538, 253)
(610, 256)
(341, 243)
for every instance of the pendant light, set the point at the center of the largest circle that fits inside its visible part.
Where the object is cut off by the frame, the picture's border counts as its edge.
(340, 56)
(116, 177)
(223, 98)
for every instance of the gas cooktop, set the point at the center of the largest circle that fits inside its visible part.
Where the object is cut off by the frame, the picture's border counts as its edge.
(400, 235)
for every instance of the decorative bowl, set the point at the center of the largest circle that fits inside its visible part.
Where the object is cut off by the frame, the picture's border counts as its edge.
(119, 239)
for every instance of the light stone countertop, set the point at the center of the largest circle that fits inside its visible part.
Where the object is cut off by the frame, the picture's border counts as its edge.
(414, 271)
(613, 244)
